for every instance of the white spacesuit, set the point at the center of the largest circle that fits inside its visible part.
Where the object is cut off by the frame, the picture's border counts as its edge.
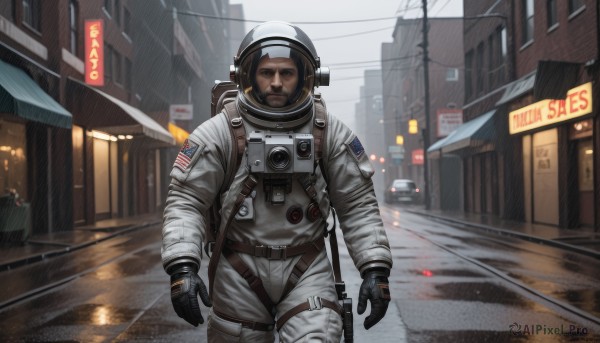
(269, 268)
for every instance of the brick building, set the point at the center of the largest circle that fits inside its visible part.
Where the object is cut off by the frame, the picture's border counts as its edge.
(554, 124)
(77, 152)
(529, 142)
(403, 100)
(477, 146)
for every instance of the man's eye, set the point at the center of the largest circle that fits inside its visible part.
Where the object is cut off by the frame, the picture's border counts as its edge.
(266, 73)
(287, 73)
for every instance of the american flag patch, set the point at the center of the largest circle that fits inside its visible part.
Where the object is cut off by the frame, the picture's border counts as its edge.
(185, 155)
(356, 147)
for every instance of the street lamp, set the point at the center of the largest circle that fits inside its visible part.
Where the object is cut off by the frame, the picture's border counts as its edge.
(427, 119)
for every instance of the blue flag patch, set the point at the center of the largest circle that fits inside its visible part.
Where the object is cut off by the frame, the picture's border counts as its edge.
(185, 155)
(357, 148)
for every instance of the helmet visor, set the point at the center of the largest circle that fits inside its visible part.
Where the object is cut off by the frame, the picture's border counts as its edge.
(276, 78)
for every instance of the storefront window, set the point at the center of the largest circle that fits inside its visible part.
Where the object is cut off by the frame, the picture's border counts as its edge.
(586, 165)
(13, 162)
(581, 132)
(545, 177)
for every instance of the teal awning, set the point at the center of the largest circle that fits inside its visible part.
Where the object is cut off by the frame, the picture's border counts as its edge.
(517, 88)
(439, 144)
(20, 95)
(470, 134)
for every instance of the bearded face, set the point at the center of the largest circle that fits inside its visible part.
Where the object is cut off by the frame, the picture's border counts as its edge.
(276, 79)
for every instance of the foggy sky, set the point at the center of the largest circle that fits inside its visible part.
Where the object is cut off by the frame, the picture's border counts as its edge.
(343, 92)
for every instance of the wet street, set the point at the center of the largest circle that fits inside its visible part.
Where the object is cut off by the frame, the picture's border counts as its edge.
(448, 284)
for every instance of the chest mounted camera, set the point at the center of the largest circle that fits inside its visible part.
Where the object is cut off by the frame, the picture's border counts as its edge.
(280, 153)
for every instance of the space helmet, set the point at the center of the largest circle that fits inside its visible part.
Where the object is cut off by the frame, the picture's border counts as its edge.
(277, 41)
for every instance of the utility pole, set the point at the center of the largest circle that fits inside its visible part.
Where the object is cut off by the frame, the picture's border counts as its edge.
(427, 119)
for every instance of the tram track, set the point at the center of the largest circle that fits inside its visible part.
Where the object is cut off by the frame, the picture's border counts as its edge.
(58, 281)
(513, 282)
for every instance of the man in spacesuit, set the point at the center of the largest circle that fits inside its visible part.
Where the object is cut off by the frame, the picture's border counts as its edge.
(269, 268)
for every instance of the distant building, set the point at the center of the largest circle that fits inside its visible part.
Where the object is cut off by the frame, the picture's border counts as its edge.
(237, 29)
(360, 115)
(403, 102)
(372, 139)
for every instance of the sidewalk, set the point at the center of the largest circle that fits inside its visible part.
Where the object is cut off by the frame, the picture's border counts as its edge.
(581, 240)
(40, 247)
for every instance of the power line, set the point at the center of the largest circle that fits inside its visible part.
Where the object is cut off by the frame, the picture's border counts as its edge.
(444, 5)
(460, 66)
(374, 61)
(357, 67)
(348, 78)
(408, 67)
(356, 99)
(196, 14)
(353, 34)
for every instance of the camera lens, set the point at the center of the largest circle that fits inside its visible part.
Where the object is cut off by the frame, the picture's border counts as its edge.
(278, 158)
(303, 149)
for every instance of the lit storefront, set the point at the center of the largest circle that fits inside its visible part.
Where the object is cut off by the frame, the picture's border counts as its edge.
(464, 166)
(33, 131)
(124, 170)
(557, 158)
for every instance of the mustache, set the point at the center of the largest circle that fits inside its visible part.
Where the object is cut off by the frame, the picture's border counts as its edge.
(263, 95)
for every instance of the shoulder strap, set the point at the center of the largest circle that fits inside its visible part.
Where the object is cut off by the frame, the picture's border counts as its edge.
(249, 184)
(320, 132)
(238, 138)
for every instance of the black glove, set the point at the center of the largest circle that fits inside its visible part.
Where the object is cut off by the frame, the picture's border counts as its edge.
(185, 286)
(375, 287)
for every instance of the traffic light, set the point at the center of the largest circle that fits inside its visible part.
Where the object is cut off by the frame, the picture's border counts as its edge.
(413, 126)
(399, 140)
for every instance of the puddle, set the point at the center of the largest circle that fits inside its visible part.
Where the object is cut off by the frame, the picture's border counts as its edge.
(476, 291)
(93, 314)
(448, 272)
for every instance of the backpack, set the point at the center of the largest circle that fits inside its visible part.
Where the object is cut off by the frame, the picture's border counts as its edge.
(222, 92)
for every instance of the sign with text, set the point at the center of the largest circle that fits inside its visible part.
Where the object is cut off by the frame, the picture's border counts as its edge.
(396, 154)
(545, 112)
(418, 157)
(181, 112)
(94, 53)
(448, 119)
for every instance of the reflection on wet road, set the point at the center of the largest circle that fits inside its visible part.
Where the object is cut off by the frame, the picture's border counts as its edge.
(447, 285)
(461, 285)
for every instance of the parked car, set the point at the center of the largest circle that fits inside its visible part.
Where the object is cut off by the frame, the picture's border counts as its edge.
(403, 190)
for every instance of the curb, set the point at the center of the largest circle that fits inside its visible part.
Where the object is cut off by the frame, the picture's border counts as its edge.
(505, 232)
(19, 262)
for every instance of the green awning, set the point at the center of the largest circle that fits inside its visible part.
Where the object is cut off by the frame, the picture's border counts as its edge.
(435, 149)
(471, 134)
(439, 144)
(517, 88)
(20, 95)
